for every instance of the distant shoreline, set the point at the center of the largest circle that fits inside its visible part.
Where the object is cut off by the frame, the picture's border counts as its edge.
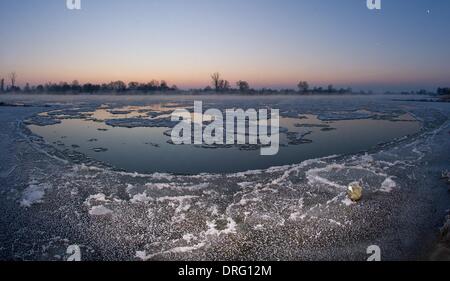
(409, 97)
(214, 93)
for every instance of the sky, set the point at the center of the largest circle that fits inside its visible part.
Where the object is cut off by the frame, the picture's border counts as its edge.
(269, 43)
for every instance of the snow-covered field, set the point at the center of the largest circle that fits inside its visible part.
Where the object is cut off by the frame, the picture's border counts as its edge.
(50, 201)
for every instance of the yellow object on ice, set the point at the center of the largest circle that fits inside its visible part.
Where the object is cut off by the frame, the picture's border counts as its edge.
(354, 191)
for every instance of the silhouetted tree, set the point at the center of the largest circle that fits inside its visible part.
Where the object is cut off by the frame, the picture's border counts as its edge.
(220, 84)
(224, 85)
(443, 91)
(118, 86)
(92, 88)
(303, 86)
(422, 92)
(133, 86)
(2, 85)
(163, 86)
(216, 80)
(330, 89)
(27, 88)
(344, 91)
(318, 89)
(12, 78)
(243, 86)
(154, 85)
(76, 86)
(64, 87)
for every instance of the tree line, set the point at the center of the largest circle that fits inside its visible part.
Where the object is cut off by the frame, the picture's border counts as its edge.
(443, 91)
(222, 85)
(218, 84)
(75, 87)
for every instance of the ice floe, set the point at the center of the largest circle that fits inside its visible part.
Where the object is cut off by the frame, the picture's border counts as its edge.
(33, 194)
(388, 185)
(100, 211)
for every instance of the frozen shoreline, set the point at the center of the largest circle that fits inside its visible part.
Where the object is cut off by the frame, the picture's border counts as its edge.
(296, 212)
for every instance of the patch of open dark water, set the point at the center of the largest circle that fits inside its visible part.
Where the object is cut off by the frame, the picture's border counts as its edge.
(146, 149)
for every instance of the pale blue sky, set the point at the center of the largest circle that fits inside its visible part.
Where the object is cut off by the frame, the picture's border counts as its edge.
(267, 42)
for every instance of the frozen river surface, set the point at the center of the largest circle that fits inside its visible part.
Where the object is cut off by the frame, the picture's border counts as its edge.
(62, 182)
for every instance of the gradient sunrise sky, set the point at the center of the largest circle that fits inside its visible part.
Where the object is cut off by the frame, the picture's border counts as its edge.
(270, 43)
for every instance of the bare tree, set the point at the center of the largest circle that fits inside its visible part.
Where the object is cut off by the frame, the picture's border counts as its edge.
(2, 85)
(331, 89)
(219, 84)
(224, 85)
(216, 80)
(13, 78)
(27, 87)
(303, 86)
(133, 86)
(243, 86)
(163, 85)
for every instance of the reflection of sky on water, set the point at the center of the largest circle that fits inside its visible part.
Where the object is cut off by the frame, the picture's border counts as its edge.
(146, 149)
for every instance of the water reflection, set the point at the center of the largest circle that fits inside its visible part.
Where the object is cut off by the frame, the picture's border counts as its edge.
(146, 149)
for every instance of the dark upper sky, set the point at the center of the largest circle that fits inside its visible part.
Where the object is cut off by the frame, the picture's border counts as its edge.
(270, 43)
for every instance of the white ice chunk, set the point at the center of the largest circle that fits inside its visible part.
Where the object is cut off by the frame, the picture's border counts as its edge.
(33, 194)
(388, 185)
(99, 211)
